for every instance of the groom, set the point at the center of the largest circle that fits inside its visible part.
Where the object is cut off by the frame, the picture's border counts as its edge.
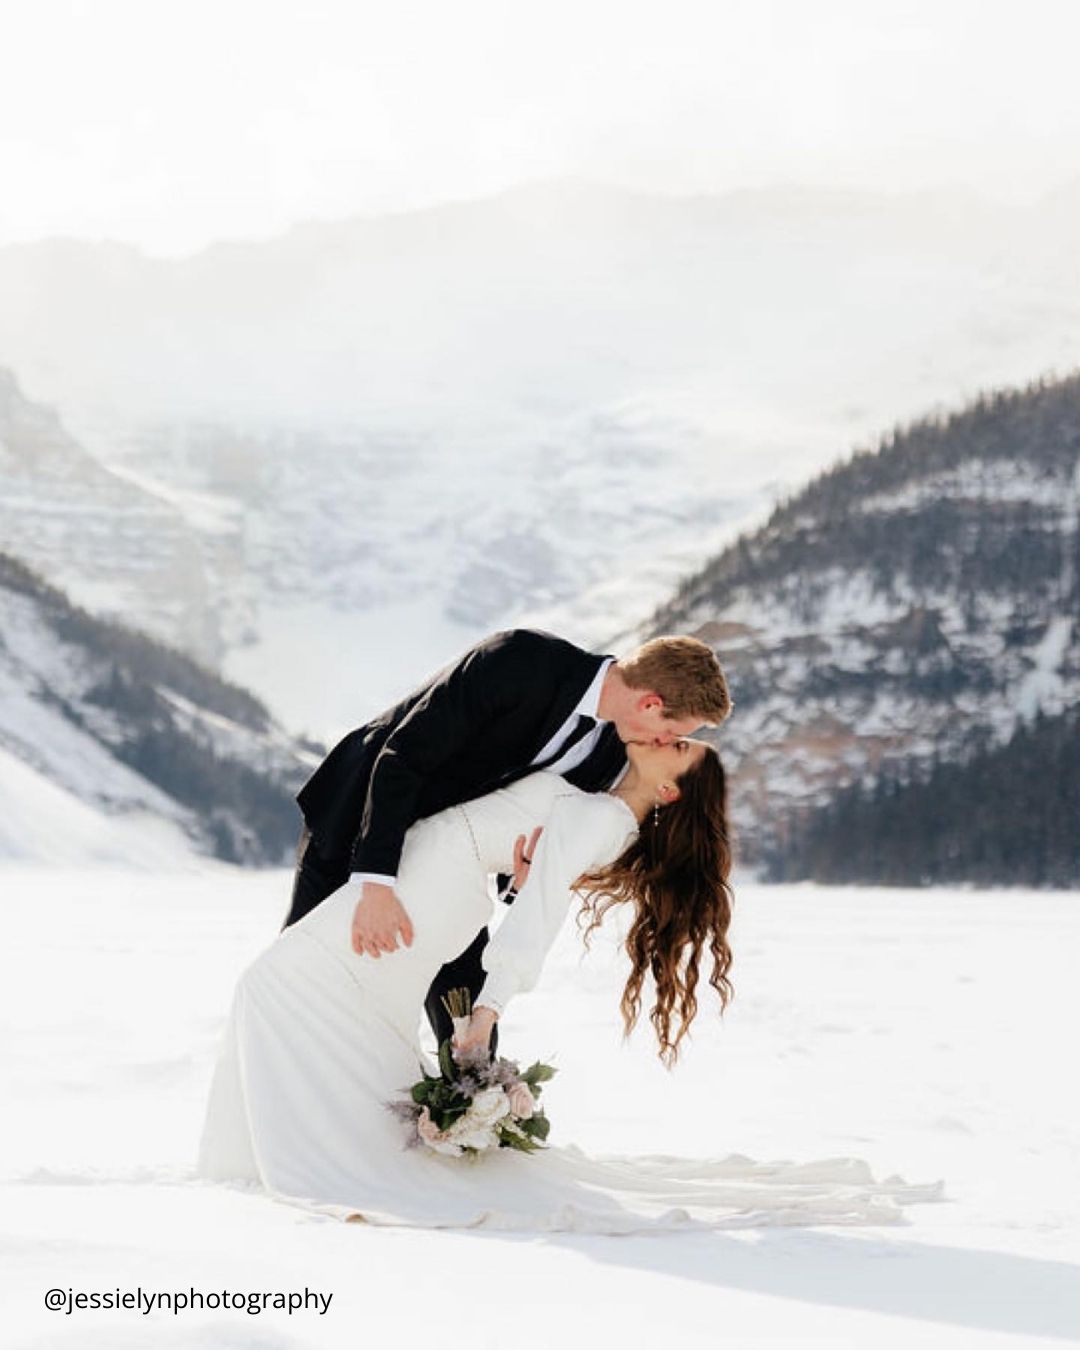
(518, 701)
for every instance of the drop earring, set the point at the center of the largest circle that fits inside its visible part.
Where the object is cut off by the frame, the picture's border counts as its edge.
(655, 814)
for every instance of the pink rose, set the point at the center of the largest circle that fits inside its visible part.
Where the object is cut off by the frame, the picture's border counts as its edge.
(521, 1101)
(426, 1127)
(435, 1138)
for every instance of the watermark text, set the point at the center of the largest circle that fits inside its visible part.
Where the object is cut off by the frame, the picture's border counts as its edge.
(146, 1301)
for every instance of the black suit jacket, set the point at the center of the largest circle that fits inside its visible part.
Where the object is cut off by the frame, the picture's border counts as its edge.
(473, 727)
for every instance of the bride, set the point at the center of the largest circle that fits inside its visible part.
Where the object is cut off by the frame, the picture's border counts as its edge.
(319, 1039)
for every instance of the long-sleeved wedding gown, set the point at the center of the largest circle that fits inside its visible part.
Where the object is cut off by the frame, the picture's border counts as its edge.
(318, 1039)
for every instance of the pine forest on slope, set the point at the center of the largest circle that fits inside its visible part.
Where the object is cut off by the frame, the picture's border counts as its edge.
(124, 723)
(913, 607)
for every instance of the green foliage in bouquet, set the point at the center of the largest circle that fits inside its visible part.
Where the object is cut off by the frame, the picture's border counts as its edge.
(465, 1087)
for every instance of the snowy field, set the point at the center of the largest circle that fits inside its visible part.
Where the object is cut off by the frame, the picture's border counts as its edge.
(930, 1033)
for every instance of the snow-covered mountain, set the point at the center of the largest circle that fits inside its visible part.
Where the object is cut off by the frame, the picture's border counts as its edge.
(330, 571)
(116, 748)
(916, 603)
(116, 547)
(364, 443)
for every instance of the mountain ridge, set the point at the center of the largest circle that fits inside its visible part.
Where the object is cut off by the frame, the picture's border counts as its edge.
(908, 601)
(134, 729)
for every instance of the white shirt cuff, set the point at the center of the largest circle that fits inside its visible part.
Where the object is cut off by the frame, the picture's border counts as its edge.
(380, 877)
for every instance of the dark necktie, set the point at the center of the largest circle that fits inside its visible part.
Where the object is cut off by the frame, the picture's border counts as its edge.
(582, 728)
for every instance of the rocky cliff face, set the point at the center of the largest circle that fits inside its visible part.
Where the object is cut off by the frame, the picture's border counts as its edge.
(919, 600)
(120, 548)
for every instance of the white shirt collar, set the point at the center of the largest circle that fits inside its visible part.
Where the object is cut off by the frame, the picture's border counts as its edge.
(590, 700)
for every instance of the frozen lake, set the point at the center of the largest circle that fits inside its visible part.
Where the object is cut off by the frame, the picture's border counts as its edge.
(927, 1032)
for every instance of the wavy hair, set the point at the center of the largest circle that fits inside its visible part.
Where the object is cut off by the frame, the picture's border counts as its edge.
(675, 875)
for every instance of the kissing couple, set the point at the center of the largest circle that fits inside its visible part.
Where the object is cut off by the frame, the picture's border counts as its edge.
(575, 775)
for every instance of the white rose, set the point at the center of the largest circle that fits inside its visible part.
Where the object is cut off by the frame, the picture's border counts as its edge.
(488, 1106)
(451, 1150)
(478, 1138)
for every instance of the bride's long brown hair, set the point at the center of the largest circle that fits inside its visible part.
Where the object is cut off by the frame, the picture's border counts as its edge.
(675, 874)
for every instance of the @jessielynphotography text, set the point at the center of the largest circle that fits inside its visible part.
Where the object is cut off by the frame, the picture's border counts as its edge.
(177, 1301)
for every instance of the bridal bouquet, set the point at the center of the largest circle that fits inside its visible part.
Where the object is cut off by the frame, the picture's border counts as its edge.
(475, 1103)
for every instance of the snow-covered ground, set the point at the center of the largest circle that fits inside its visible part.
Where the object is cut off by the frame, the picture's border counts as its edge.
(927, 1032)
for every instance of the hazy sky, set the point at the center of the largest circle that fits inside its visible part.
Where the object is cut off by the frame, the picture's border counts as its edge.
(170, 124)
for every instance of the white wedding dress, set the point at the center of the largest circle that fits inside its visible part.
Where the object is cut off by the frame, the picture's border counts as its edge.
(318, 1039)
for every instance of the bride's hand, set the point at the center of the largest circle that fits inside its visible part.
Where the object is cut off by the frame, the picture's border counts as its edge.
(523, 856)
(478, 1031)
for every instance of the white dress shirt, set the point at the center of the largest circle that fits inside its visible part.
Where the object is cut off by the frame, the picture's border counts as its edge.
(579, 751)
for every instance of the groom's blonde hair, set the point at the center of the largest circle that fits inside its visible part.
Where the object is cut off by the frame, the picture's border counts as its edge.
(685, 673)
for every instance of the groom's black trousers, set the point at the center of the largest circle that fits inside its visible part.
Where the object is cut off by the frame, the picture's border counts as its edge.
(318, 876)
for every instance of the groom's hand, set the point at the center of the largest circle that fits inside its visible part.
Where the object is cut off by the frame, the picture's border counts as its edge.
(378, 920)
